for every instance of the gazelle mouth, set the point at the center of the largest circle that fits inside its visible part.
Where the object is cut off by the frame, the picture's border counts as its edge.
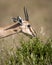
(33, 32)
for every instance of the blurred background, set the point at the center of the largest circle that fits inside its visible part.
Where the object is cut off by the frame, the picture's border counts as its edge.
(40, 16)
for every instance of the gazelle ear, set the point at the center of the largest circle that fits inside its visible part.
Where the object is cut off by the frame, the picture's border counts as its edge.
(19, 19)
(14, 19)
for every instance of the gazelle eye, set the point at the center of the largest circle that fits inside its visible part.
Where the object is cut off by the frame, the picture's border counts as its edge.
(28, 25)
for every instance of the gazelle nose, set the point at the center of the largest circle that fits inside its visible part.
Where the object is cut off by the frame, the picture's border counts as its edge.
(34, 34)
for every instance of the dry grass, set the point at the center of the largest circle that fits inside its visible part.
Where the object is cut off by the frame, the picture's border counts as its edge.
(40, 14)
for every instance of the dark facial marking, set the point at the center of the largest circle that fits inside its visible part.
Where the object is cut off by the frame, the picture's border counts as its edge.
(28, 25)
(15, 30)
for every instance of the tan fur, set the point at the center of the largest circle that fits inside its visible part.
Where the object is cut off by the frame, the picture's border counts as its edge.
(15, 28)
(9, 30)
(22, 25)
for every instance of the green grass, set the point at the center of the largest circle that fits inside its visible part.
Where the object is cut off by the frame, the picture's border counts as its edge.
(32, 52)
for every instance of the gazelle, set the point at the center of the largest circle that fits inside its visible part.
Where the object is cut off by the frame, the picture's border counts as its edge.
(19, 25)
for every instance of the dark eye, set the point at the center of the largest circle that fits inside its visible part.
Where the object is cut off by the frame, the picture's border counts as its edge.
(28, 25)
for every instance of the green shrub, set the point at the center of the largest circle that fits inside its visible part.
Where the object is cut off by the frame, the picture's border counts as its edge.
(33, 52)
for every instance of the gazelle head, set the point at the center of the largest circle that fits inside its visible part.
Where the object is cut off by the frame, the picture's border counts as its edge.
(24, 24)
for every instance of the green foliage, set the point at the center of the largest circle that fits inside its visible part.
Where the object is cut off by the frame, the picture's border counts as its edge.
(33, 52)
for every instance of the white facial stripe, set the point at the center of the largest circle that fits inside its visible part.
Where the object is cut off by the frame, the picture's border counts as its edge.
(31, 30)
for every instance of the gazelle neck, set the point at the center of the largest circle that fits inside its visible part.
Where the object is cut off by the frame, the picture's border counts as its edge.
(9, 30)
(12, 26)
